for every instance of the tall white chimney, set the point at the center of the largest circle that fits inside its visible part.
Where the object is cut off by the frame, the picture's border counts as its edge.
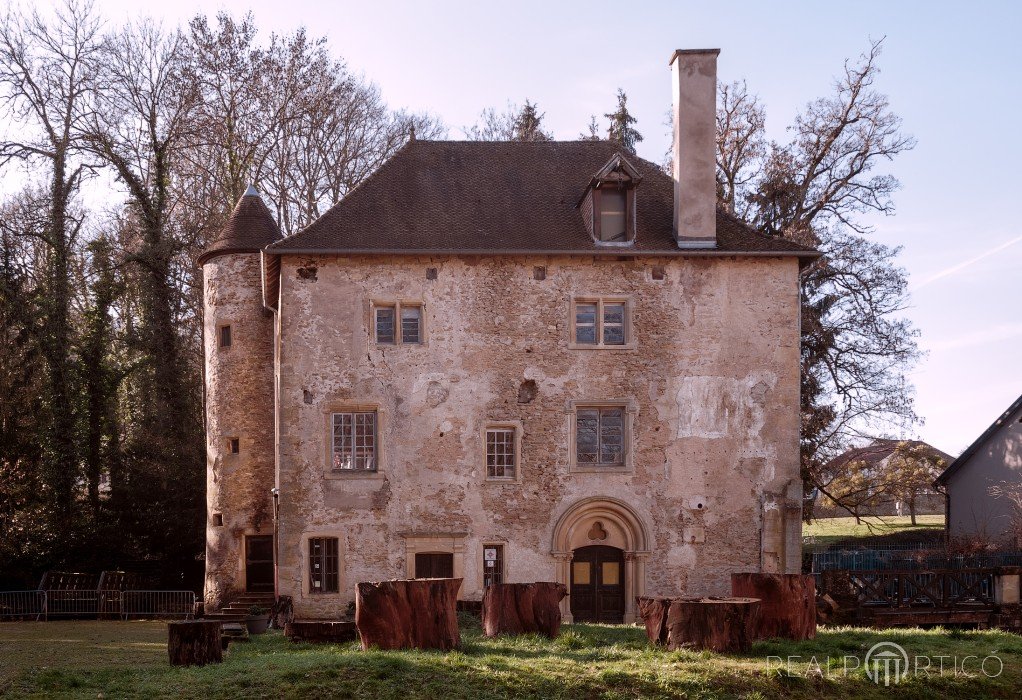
(694, 79)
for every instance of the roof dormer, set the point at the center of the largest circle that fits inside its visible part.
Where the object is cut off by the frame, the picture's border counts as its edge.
(608, 204)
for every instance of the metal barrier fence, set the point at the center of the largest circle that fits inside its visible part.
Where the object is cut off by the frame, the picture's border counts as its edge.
(22, 605)
(876, 559)
(83, 603)
(43, 605)
(157, 604)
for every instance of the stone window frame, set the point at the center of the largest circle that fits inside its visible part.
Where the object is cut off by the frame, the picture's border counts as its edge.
(303, 562)
(230, 440)
(630, 343)
(323, 574)
(332, 407)
(218, 337)
(503, 425)
(397, 305)
(631, 412)
(453, 543)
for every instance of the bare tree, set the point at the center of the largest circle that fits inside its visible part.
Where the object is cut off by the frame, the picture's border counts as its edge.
(855, 346)
(741, 145)
(47, 65)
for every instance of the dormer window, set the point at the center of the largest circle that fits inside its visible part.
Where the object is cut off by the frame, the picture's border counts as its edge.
(613, 222)
(608, 204)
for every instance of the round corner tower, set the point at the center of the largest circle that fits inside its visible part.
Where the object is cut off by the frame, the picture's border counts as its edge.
(238, 341)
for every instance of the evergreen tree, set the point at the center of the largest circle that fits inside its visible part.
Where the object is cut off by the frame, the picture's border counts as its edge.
(621, 121)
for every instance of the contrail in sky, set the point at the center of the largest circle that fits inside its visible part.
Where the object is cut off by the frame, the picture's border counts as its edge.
(962, 265)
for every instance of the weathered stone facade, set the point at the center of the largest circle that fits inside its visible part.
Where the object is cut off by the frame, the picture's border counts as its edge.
(239, 405)
(711, 484)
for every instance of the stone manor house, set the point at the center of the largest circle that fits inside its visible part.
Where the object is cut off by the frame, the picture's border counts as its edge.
(506, 362)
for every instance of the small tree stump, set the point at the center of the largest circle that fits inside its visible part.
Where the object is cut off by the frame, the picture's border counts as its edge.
(408, 614)
(787, 603)
(194, 643)
(523, 608)
(282, 612)
(718, 624)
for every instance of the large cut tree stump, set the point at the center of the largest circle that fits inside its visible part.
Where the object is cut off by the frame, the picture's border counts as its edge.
(718, 624)
(408, 614)
(787, 603)
(194, 643)
(523, 608)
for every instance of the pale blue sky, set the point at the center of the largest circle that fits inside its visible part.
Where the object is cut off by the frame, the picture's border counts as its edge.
(951, 69)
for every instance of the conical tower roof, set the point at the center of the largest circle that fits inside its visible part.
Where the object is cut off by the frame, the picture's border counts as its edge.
(249, 229)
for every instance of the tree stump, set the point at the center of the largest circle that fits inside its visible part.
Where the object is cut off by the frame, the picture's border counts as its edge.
(282, 612)
(653, 612)
(408, 614)
(718, 624)
(194, 643)
(787, 603)
(523, 608)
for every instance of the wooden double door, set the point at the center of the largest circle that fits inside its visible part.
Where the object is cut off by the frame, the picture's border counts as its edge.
(598, 584)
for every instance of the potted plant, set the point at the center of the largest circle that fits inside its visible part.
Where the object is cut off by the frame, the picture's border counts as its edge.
(258, 619)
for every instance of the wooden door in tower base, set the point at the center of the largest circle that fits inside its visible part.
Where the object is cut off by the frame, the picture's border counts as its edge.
(259, 563)
(597, 584)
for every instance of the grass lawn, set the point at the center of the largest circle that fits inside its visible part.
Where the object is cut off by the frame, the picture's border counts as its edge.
(831, 530)
(116, 659)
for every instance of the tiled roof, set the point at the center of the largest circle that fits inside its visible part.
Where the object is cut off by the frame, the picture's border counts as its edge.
(880, 450)
(503, 197)
(249, 229)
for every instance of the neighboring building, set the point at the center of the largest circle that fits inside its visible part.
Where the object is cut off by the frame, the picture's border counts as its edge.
(507, 362)
(876, 458)
(994, 459)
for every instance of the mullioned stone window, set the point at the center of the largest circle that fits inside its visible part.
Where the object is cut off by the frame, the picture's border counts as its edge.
(601, 435)
(398, 323)
(601, 322)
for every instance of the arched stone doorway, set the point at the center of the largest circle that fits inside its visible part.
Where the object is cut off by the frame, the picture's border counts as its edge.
(602, 522)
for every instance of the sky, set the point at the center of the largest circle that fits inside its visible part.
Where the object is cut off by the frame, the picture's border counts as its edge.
(951, 69)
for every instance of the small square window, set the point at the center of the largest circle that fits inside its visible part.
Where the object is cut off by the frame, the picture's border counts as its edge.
(218, 519)
(659, 272)
(493, 564)
(225, 336)
(501, 453)
(234, 445)
(539, 273)
(385, 325)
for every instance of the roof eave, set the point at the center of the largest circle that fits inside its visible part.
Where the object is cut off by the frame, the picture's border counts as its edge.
(615, 252)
